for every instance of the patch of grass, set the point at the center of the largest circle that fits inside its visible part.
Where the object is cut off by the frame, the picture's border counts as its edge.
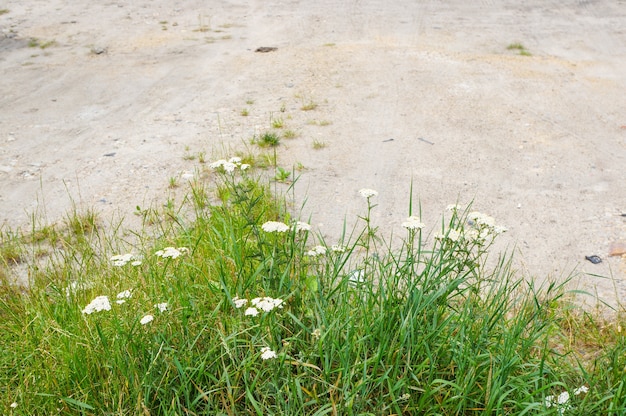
(309, 106)
(268, 139)
(278, 123)
(289, 134)
(520, 48)
(240, 307)
(4, 11)
(318, 144)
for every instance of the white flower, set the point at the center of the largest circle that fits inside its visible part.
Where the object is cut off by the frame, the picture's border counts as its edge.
(229, 167)
(13, 405)
(367, 193)
(124, 295)
(251, 312)
(217, 164)
(413, 223)
(120, 260)
(454, 207)
(171, 252)
(581, 389)
(146, 319)
(316, 334)
(337, 248)
(549, 400)
(244, 166)
(100, 303)
(136, 263)
(266, 304)
(274, 227)
(267, 353)
(481, 219)
(301, 226)
(235, 160)
(563, 398)
(162, 307)
(239, 303)
(452, 235)
(316, 251)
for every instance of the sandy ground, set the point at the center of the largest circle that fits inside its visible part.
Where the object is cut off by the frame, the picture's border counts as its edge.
(103, 102)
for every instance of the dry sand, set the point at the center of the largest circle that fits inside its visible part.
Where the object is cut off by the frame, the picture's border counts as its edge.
(101, 103)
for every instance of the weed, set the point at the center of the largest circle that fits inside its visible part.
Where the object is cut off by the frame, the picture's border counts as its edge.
(3, 11)
(520, 48)
(309, 106)
(268, 139)
(282, 174)
(278, 123)
(318, 144)
(244, 112)
(249, 102)
(289, 134)
(173, 182)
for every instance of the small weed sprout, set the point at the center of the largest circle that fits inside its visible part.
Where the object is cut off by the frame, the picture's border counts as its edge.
(244, 112)
(278, 123)
(309, 106)
(318, 144)
(520, 48)
(289, 134)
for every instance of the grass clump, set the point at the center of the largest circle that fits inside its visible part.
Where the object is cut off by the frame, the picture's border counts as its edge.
(268, 139)
(241, 309)
(520, 48)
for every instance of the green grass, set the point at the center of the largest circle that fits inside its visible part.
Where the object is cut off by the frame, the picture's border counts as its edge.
(364, 326)
(520, 48)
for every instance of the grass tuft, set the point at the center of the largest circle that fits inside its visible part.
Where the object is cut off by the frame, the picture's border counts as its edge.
(240, 307)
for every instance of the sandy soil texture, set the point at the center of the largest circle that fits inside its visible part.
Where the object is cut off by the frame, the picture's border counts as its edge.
(104, 102)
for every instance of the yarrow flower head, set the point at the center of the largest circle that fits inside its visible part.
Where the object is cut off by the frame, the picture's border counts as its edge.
(301, 226)
(120, 260)
(162, 307)
(267, 353)
(239, 303)
(316, 251)
(122, 296)
(251, 312)
(171, 252)
(266, 304)
(413, 223)
(338, 248)
(452, 235)
(146, 319)
(367, 193)
(274, 227)
(100, 303)
(229, 165)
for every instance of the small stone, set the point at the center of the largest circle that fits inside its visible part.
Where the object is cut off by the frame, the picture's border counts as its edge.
(594, 259)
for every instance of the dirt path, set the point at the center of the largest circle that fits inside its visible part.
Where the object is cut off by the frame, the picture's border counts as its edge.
(105, 103)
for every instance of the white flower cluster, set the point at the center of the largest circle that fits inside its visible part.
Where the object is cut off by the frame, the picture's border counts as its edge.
(413, 223)
(171, 252)
(316, 251)
(561, 401)
(122, 296)
(338, 248)
(100, 303)
(267, 353)
(452, 235)
(301, 226)
(367, 193)
(266, 304)
(483, 221)
(275, 227)
(120, 260)
(280, 227)
(229, 165)
(146, 319)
